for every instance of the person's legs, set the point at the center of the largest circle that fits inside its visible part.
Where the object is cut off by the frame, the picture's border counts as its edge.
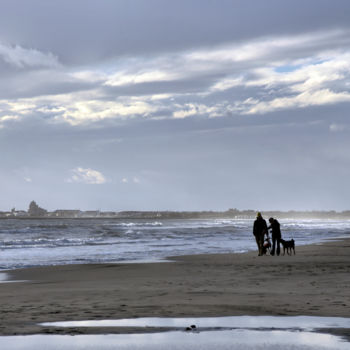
(261, 244)
(278, 246)
(273, 245)
(257, 241)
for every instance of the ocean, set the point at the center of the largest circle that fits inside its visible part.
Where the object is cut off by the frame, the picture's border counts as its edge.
(29, 242)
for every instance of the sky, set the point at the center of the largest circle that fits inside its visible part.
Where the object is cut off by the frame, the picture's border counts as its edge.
(164, 105)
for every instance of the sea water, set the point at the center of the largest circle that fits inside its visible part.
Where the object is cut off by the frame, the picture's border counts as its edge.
(71, 241)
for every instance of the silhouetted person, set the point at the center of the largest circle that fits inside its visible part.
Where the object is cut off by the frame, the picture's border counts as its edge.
(276, 235)
(259, 231)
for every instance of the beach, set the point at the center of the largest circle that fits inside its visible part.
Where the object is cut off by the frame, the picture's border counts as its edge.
(315, 282)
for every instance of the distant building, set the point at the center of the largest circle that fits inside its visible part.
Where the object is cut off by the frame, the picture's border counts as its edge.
(20, 213)
(35, 210)
(90, 213)
(108, 214)
(64, 213)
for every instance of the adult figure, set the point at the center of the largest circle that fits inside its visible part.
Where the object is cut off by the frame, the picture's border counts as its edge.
(276, 235)
(259, 231)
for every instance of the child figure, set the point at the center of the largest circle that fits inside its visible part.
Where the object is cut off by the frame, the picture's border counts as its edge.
(266, 245)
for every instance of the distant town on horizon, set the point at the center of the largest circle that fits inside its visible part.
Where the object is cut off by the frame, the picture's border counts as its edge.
(36, 212)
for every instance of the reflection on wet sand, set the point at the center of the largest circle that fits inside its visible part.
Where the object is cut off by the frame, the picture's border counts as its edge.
(231, 339)
(4, 278)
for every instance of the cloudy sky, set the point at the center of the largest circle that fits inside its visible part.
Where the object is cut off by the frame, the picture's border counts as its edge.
(175, 105)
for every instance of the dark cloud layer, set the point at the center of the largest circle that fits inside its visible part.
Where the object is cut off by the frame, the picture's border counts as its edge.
(89, 30)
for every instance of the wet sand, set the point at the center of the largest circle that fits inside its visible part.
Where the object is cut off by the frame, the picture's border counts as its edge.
(315, 282)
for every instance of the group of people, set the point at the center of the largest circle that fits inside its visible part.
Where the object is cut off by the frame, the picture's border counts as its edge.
(260, 230)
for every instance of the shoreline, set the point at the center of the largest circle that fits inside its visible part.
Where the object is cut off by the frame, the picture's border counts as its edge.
(314, 282)
(156, 260)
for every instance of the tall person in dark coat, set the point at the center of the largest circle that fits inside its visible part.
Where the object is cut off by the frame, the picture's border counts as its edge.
(276, 235)
(259, 231)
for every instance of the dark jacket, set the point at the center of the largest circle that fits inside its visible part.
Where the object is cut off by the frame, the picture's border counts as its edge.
(275, 227)
(260, 227)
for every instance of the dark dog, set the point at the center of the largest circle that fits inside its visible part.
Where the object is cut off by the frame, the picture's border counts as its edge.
(288, 246)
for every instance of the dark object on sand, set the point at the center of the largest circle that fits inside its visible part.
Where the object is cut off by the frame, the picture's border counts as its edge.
(288, 246)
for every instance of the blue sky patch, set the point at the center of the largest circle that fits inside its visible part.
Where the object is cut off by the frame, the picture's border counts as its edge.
(287, 68)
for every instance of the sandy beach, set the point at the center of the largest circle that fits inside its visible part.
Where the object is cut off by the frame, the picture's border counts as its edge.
(315, 282)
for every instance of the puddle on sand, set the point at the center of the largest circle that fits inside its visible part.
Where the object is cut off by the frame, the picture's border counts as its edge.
(234, 333)
(4, 278)
(306, 323)
(238, 339)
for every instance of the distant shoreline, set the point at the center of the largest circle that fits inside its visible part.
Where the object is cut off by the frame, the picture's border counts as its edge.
(36, 212)
(143, 215)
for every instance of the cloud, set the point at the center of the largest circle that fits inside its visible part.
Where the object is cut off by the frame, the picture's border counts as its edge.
(122, 78)
(312, 74)
(335, 127)
(227, 83)
(192, 109)
(313, 83)
(255, 77)
(8, 118)
(79, 108)
(94, 110)
(305, 99)
(134, 180)
(87, 176)
(20, 57)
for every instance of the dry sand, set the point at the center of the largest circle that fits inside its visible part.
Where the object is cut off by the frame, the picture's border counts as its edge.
(316, 281)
